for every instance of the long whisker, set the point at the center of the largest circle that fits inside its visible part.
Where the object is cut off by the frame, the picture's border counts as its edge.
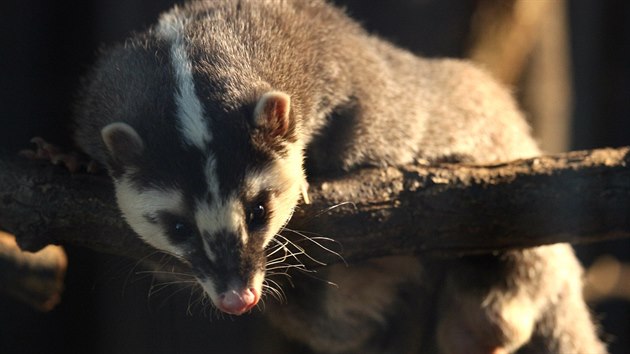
(135, 266)
(175, 282)
(156, 288)
(189, 307)
(288, 266)
(279, 248)
(302, 250)
(314, 241)
(332, 207)
(276, 289)
(160, 287)
(275, 293)
(165, 272)
(288, 254)
(285, 273)
(201, 300)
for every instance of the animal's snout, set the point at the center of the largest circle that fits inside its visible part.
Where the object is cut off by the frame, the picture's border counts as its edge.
(237, 302)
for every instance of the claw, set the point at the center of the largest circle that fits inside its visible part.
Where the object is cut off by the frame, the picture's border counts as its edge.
(46, 151)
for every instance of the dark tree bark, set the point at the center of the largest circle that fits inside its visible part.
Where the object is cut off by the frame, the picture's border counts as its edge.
(577, 197)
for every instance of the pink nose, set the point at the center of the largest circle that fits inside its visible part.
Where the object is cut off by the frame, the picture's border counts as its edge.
(237, 302)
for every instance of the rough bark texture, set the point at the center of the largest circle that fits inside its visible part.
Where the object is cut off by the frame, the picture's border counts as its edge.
(576, 197)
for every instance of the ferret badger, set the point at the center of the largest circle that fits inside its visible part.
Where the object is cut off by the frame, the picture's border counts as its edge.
(204, 122)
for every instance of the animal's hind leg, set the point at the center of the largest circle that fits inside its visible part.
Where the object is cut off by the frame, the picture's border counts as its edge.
(474, 325)
(527, 301)
(566, 327)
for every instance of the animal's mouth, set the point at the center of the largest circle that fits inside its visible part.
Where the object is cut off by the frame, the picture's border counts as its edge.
(237, 302)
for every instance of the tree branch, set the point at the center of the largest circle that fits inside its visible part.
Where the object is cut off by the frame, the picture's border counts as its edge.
(577, 197)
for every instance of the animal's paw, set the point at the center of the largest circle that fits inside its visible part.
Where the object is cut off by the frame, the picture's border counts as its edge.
(73, 161)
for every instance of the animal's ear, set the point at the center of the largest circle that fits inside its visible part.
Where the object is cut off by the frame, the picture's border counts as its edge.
(272, 113)
(124, 144)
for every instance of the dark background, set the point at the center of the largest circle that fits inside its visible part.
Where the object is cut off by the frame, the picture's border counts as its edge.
(45, 46)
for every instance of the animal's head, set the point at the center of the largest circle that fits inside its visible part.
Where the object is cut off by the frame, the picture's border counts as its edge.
(214, 197)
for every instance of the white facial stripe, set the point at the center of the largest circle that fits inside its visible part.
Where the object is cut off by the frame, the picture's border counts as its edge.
(136, 205)
(222, 216)
(209, 252)
(211, 176)
(192, 123)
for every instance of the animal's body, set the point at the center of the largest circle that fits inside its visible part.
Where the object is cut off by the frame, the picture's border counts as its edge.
(204, 122)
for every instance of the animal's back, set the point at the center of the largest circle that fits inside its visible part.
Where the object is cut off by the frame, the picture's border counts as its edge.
(383, 105)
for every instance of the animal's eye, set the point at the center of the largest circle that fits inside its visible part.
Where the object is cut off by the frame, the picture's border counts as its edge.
(257, 211)
(256, 216)
(180, 231)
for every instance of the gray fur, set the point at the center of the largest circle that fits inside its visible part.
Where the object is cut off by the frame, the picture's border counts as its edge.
(355, 100)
